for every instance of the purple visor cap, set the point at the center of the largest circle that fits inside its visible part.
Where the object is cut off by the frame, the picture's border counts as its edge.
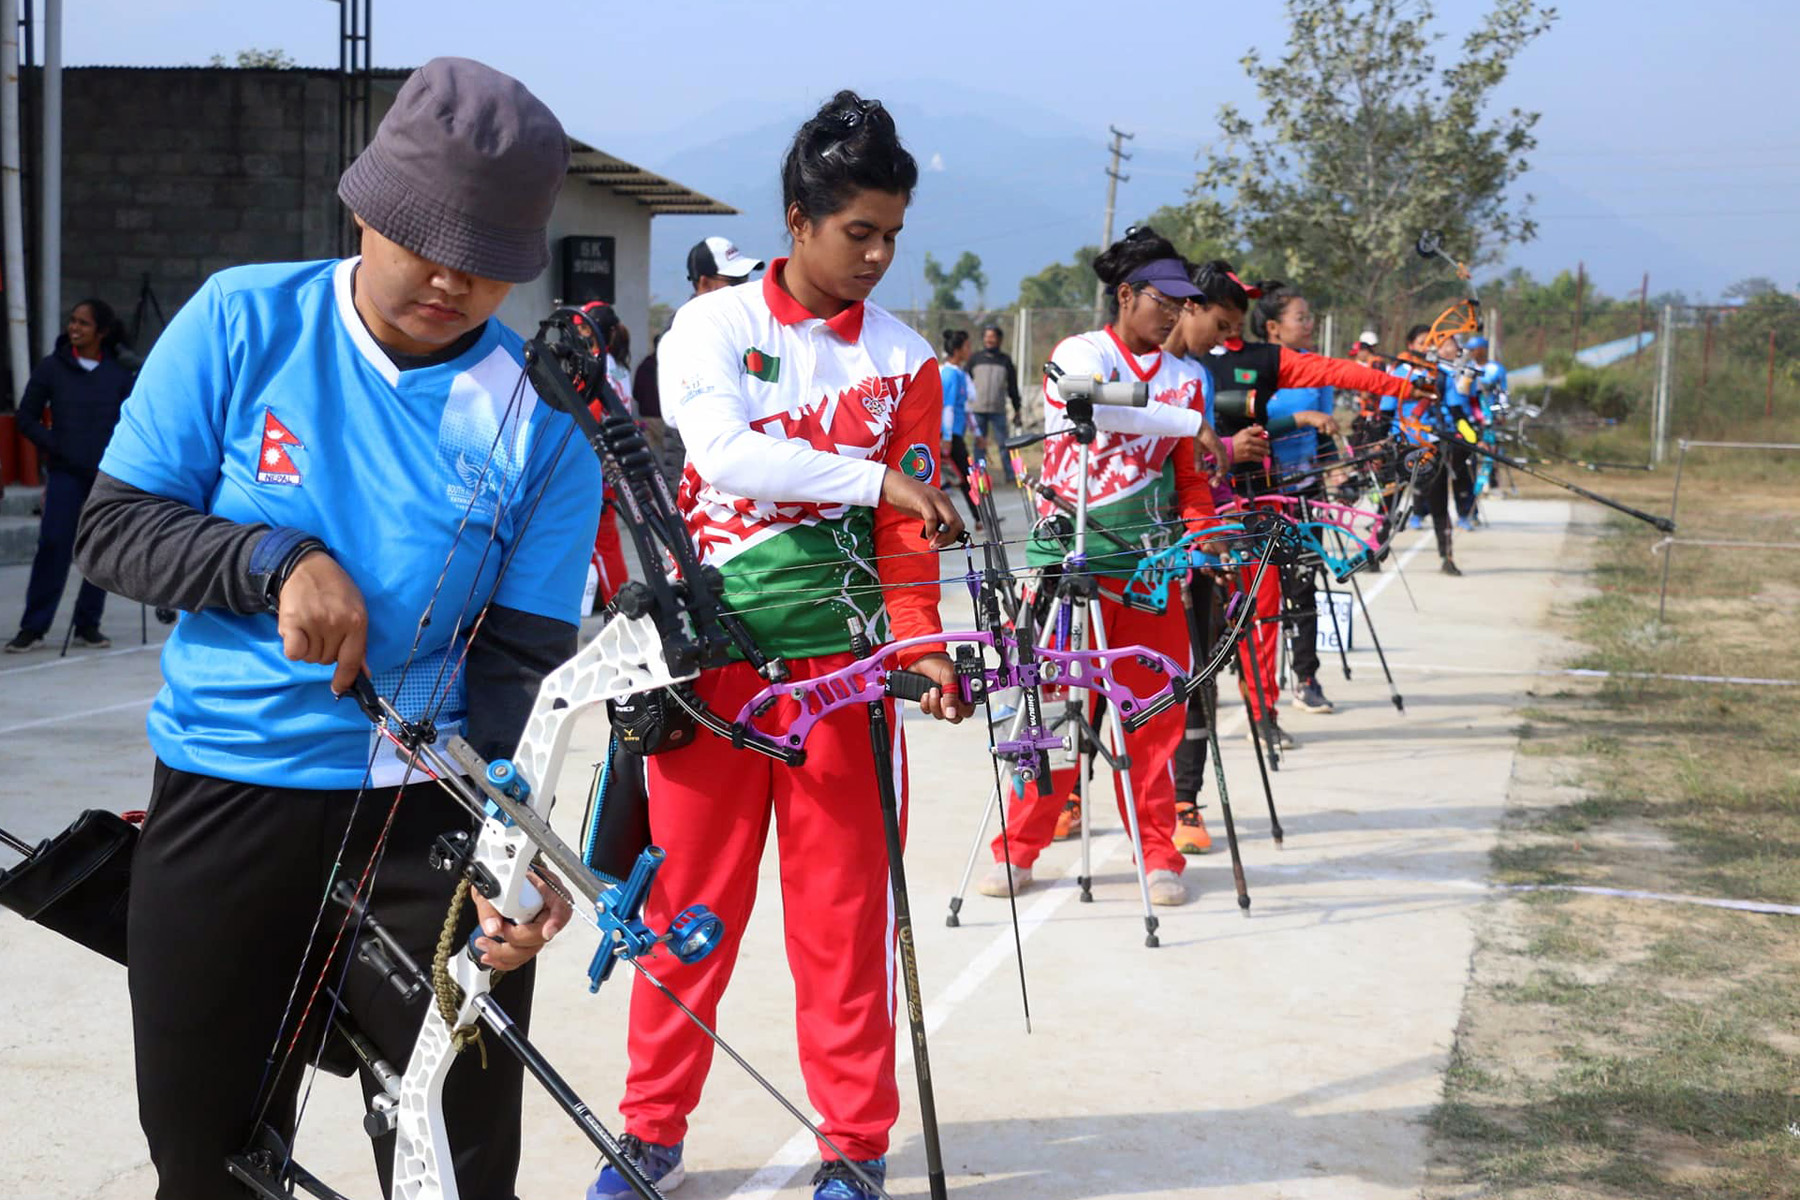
(1168, 276)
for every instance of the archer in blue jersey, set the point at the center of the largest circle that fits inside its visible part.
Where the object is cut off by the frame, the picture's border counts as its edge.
(333, 468)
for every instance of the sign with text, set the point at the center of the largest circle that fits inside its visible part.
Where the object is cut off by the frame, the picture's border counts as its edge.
(587, 270)
(1344, 605)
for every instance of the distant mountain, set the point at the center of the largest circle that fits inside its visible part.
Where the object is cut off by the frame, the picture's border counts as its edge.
(1021, 195)
(1577, 228)
(1024, 188)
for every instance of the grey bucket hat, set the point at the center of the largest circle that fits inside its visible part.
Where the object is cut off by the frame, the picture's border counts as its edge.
(463, 171)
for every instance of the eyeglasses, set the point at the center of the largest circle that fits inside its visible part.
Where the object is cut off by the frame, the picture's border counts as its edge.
(1170, 307)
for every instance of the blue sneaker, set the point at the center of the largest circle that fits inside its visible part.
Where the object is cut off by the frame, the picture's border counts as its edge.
(835, 1181)
(1418, 521)
(661, 1165)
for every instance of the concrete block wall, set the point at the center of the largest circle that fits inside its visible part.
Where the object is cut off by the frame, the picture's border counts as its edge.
(180, 173)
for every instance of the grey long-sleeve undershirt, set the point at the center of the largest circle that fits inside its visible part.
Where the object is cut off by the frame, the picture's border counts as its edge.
(160, 551)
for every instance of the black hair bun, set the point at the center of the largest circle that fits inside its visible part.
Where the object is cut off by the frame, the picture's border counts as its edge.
(1141, 244)
(849, 145)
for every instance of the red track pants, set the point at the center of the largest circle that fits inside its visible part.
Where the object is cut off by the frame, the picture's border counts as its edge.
(710, 808)
(1265, 638)
(1031, 819)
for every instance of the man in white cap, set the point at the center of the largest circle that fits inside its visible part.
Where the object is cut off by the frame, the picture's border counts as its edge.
(713, 263)
(716, 263)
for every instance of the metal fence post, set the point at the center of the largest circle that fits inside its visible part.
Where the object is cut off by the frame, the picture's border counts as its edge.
(1665, 386)
(1662, 595)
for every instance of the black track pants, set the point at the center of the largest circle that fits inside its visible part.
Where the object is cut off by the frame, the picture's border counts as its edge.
(226, 884)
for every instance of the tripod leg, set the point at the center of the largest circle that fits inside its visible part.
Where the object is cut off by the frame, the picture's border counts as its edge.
(1253, 665)
(1274, 751)
(1210, 697)
(1083, 777)
(994, 798)
(962, 889)
(1116, 730)
(1375, 641)
(1262, 766)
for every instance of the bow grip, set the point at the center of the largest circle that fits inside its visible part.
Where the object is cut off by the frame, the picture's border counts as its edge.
(909, 685)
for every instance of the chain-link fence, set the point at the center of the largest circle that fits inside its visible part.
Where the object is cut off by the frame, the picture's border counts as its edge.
(1615, 368)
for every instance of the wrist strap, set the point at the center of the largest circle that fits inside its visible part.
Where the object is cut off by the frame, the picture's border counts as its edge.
(274, 558)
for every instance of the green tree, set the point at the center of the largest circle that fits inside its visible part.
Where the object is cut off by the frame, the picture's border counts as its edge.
(1749, 289)
(1523, 297)
(253, 58)
(1180, 223)
(945, 284)
(1746, 330)
(1062, 285)
(1365, 141)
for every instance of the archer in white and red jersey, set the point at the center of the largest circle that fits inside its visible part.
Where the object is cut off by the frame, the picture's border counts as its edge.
(1143, 486)
(811, 423)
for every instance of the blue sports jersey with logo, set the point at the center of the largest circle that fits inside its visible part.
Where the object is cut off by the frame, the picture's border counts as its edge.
(268, 401)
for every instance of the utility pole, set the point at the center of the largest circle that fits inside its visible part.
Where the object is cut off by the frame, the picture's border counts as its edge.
(1113, 180)
(50, 314)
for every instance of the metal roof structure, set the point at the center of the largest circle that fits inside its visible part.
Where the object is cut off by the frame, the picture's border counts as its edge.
(663, 197)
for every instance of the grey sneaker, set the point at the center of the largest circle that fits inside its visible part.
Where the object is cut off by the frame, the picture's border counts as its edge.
(1311, 698)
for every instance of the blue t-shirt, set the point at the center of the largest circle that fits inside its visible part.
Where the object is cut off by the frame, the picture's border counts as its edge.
(268, 401)
(1296, 450)
(1427, 411)
(956, 400)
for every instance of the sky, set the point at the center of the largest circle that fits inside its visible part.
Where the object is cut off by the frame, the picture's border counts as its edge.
(1668, 141)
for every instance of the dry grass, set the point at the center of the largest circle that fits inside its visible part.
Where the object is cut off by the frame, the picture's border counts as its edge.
(1612, 1048)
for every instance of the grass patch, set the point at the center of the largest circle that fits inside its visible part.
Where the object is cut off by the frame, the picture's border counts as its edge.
(1628, 1050)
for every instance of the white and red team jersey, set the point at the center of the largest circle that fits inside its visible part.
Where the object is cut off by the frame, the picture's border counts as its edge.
(1134, 443)
(791, 424)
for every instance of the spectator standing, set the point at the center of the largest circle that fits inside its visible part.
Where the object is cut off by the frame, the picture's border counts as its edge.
(80, 387)
(956, 416)
(716, 263)
(996, 383)
(712, 263)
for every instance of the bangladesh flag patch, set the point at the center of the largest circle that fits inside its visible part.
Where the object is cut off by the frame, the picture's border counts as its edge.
(766, 367)
(1243, 374)
(918, 462)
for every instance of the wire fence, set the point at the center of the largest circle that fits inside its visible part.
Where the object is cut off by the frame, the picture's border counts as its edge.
(1651, 373)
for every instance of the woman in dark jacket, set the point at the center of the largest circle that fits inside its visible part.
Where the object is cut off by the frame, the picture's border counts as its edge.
(83, 385)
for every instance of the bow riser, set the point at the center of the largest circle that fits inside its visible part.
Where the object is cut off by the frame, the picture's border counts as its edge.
(625, 657)
(866, 680)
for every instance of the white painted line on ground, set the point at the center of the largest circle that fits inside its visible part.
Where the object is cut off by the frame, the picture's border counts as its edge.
(1592, 673)
(1386, 581)
(75, 716)
(1324, 873)
(69, 662)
